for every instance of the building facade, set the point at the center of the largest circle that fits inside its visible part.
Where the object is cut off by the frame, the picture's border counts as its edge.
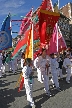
(67, 11)
(65, 29)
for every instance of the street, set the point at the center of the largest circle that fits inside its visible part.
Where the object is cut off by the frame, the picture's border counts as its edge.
(10, 98)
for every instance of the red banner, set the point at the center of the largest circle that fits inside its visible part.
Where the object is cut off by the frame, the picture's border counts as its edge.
(47, 21)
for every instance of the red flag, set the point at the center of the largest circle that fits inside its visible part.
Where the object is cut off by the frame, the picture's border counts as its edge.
(21, 42)
(21, 84)
(36, 31)
(25, 23)
(47, 21)
(46, 4)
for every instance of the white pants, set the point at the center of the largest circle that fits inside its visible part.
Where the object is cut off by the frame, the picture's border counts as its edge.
(45, 81)
(13, 66)
(3, 68)
(9, 65)
(39, 74)
(55, 77)
(71, 70)
(0, 70)
(68, 74)
(29, 88)
(16, 65)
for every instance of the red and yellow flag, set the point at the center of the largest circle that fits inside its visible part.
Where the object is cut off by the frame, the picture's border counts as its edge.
(29, 45)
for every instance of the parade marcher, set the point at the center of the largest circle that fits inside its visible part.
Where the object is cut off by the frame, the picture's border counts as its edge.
(54, 71)
(22, 75)
(16, 63)
(13, 65)
(60, 61)
(67, 65)
(71, 60)
(39, 75)
(8, 61)
(22, 60)
(3, 62)
(1, 65)
(44, 64)
(28, 81)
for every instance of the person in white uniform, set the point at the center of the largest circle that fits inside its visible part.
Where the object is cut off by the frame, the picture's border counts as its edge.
(44, 63)
(39, 75)
(9, 61)
(16, 63)
(13, 65)
(71, 60)
(28, 80)
(54, 68)
(22, 60)
(60, 61)
(67, 65)
(1, 64)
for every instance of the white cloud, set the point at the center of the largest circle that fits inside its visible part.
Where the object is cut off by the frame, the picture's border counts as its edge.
(12, 6)
(14, 3)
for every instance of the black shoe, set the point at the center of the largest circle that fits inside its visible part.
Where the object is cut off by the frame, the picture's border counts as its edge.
(48, 94)
(58, 89)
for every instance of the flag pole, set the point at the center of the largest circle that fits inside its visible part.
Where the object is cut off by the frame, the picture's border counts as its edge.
(57, 35)
(10, 25)
(57, 28)
(32, 34)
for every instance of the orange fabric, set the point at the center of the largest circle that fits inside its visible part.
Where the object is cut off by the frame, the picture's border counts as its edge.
(21, 84)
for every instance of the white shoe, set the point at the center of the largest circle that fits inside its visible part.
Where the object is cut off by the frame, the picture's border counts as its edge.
(44, 89)
(41, 81)
(68, 82)
(53, 85)
(33, 106)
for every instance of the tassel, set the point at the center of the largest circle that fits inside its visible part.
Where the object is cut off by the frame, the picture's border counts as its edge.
(21, 84)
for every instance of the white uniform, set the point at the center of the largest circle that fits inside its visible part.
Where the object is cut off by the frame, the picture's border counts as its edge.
(54, 67)
(13, 65)
(0, 65)
(19, 60)
(42, 62)
(10, 65)
(67, 65)
(28, 86)
(71, 66)
(38, 70)
(22, 62)
(16, 59)
(71, 62)
(3, 66)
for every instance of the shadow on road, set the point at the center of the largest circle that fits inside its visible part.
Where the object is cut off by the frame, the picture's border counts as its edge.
(7, 96)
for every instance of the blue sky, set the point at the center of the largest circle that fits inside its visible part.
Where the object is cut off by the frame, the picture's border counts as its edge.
(20, 8)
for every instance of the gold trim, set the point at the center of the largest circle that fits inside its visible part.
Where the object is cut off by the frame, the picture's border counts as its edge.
(50, 13)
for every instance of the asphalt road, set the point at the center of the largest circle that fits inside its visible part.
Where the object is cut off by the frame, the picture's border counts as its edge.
(10, 98)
